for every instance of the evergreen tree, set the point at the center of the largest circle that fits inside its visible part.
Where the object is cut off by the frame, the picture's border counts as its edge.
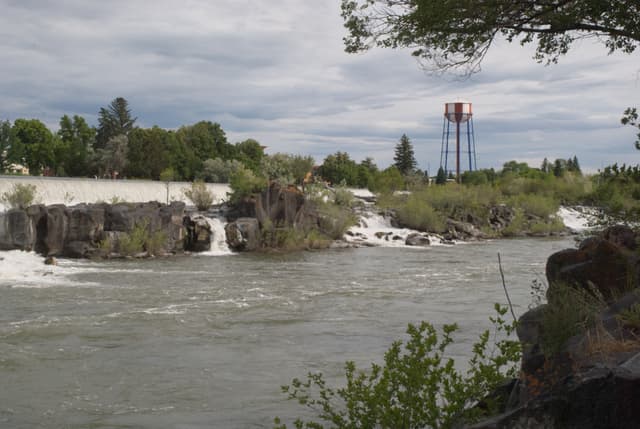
(576, 165)
(113, 121)
(546, 166)
(404, 159)
(441, 177)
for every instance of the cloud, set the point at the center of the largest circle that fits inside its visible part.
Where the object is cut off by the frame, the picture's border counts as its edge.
(279, 74)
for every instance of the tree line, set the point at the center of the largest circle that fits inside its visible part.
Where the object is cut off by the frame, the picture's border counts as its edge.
(118, 148)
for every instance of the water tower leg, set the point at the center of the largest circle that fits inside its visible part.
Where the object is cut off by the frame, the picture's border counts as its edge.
(458, 151)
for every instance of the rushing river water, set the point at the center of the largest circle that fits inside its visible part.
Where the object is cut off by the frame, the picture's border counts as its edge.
(206, 341)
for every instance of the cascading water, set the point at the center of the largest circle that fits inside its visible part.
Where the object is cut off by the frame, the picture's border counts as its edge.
(218, 238)
(373, 229)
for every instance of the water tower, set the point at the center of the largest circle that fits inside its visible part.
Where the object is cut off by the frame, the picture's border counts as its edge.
(458, 113)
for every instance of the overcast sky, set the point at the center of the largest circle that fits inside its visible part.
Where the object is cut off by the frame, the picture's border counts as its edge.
(276, 71)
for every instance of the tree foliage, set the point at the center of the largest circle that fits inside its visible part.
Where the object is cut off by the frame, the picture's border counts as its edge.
(76, 145)
(631, 118)
(114, 120)
(5, 145)
(458, 33)
(112, 160)
(417, 386)
(404, 160)
(32, 145)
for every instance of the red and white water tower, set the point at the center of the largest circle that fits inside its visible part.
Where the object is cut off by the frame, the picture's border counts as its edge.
(458, 113)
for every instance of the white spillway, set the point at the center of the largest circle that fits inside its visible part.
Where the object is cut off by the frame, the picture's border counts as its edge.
(54, 190)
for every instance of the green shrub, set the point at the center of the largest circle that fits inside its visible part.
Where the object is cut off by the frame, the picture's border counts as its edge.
(553, 225)
(140, 239)
(342, 196)
(245, 183)
(334, 220)
(199, 195)
(570, 311)
(630, 317)
(517, 224)
(417, 385)
(536, 205)
(21, 196)
(418, 214)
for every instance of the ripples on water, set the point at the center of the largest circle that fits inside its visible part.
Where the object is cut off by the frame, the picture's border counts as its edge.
(203, 342)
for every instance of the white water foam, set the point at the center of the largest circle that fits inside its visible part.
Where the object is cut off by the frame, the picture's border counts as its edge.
(27, 270)
(219, 246)
(576, 219)
(376, 230)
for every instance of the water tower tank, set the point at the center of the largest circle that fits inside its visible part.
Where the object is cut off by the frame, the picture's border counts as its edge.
(458, 112)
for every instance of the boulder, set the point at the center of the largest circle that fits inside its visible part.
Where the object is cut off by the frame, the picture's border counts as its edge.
(417, 239)
(243, 234)
(607, 262)
(598, 398)
(463, 230)
(199, 234)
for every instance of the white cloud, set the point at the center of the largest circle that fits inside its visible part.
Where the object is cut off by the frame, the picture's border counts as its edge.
(278, 73)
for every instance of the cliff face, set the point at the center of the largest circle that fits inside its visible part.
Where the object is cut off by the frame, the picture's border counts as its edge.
(581, 351)
(87, 230)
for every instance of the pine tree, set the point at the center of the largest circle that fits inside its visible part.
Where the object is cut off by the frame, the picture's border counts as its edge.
(441, 177)
(114, 121)
(576, 165)
(404, 159)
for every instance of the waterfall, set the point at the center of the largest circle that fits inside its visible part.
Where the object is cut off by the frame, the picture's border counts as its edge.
(374, 229)
(218, 238)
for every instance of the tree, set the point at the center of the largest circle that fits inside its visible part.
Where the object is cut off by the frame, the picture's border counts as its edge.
(339, 167)
(147, 154)
(457, 34)
(250, 153)
(32, 145)
(207, 140)
(441, 177)
(5, 145)
(546, 166)
(404, 159)
(631, 118)
(114, 120)
(112, 159)
(76, 142)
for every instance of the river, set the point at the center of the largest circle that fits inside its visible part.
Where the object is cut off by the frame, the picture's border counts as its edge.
(207, 341)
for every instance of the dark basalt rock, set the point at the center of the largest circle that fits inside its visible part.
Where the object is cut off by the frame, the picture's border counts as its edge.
(608, 262)
(243, 234)
(593, 381)
(78, 231)
(417, 239)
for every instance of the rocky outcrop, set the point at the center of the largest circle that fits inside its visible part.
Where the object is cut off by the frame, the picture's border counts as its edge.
(591, 379)
(417, 239)
(276, 209)
(243, 234)
(199, 234)
(609, 262)
(87, 230)
(17, 231)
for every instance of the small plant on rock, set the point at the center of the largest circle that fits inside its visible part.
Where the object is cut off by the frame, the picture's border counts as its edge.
(21, 196)
(199, 195)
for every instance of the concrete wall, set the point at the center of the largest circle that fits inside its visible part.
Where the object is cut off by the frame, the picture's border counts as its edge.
(56, 190)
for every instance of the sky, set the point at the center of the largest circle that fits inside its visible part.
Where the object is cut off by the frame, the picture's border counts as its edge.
(276, 71)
